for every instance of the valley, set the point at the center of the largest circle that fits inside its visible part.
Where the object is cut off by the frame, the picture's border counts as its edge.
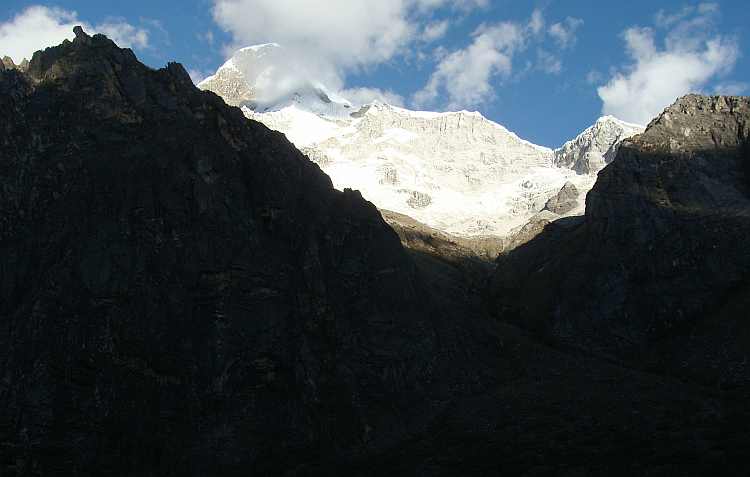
(186, 291)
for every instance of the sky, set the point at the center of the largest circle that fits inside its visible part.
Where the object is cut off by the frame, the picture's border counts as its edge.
(544, 69)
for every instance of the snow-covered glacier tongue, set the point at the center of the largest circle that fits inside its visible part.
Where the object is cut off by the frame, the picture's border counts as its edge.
(457, 172)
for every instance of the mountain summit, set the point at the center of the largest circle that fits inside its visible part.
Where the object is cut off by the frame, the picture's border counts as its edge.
(264, 78)
(457, 172)
(596, 146)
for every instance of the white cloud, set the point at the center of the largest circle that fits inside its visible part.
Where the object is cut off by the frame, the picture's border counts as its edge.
(36, 28)
(537, 22)
(361, 96)
(462, 5)
(664, 20)
(470, 4)
(692, 55)
(564, 35)
(732, 88)
(331, 38)
(594, 77)
(549, 63)
(208, 37)
(338, 37)
(39, 27)
(466, 78)
(465, 74)
(125, 35)
(435, 31)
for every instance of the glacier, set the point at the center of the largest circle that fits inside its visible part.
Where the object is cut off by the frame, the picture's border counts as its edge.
(457, 172)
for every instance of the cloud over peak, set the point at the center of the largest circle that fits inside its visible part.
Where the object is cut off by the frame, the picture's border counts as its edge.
(339, 37)
(343, 35)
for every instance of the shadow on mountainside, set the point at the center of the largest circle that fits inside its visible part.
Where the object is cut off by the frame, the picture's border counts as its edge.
(657, 276)
(548, 408)
(183, 292)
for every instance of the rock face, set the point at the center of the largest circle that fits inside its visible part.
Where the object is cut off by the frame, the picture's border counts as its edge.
(596, 146)
(665, 235)
(565, 200)
(181, 290)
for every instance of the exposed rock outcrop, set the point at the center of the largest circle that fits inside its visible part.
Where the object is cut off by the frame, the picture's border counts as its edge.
(665, 236)
(181, 290)
(7, 63)
(596, 146)
(565, 200)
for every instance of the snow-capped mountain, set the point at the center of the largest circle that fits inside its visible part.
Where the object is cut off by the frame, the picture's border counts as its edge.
(263, 78)
(596, 146)
(457, 172)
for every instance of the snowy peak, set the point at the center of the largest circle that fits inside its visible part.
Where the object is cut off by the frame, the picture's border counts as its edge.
(457, 172)
(596, 146)
(265, 78)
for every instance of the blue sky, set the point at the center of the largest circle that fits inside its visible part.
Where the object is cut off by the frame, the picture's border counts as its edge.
(546, 70)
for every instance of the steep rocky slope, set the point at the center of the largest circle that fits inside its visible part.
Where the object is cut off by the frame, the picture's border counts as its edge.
(675, 209)
(182, 291)
(596, 146)
(664, 242)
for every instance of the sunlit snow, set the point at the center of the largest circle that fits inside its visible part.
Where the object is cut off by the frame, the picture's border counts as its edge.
(456, 171)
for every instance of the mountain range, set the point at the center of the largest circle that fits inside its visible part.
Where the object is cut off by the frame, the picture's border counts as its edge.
(457, 172)
(184, 292)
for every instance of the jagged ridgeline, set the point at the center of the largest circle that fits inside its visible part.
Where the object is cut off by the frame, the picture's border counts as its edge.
(182, 290)
(664, 244)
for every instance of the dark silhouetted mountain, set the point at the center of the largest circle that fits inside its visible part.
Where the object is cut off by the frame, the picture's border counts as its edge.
(664, 244)
(182, 292)
(181, 289)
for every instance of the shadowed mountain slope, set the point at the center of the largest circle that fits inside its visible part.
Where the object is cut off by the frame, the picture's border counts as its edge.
(181, 289)
(664, 244)
(183, 293)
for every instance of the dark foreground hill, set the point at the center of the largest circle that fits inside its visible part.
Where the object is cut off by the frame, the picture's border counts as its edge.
(184, 293)
(181, 289)
(664, 250)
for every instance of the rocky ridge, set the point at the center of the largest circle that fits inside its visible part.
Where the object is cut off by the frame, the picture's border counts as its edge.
(182, 291)
(595, 147)
(664, 238)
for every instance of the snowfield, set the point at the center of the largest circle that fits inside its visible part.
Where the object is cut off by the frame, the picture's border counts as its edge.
(457, 171)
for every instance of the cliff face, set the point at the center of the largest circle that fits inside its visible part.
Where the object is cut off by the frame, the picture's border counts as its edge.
(181, 290)
(665, 236)
(596, 146)
(673, 213)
